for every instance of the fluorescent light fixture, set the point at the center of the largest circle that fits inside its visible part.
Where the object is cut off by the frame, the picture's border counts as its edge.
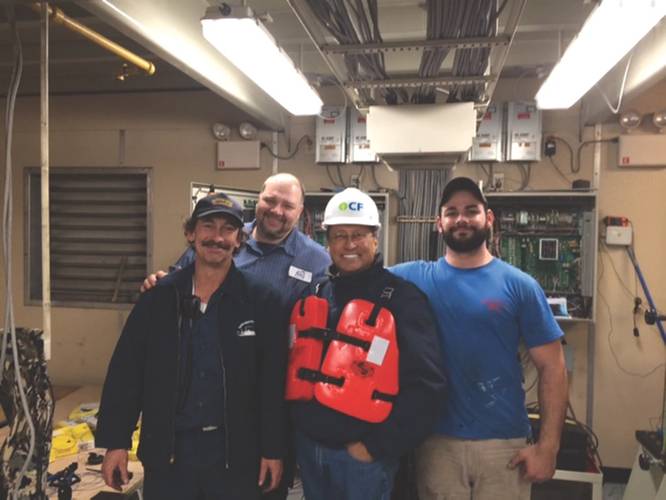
(609, 33)
(242, 39)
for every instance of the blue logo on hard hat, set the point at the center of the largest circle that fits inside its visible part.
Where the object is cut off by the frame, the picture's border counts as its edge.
(354, 206)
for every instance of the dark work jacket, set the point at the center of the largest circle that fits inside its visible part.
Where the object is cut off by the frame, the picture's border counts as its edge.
(422, 384)
(143, 373)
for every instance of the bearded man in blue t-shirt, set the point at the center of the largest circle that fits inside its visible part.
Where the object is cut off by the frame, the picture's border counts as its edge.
(485, 308)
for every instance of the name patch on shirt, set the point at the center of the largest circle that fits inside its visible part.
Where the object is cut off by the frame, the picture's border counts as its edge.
(246, 329)
(300, 274)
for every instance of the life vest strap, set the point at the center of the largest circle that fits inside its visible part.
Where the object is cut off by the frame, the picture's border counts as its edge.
(382, 396)
(328, 334)
(317, 376)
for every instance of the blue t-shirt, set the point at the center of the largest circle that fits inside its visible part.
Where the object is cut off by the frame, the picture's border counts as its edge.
(482, 315)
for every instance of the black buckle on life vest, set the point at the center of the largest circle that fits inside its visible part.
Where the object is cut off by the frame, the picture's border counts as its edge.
(382, 396)
(328, 334)
(317, 376)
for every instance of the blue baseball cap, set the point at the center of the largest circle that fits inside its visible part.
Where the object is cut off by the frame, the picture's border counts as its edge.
(218, 204)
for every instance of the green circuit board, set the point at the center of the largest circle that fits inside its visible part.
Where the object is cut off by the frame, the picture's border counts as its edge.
(560, 274)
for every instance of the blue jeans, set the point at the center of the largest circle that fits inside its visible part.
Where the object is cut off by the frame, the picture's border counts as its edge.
(332, 474)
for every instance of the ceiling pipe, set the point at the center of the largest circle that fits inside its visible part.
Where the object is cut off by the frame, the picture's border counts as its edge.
(59, 17)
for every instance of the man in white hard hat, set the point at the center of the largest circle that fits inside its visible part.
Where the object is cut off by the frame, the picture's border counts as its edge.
(364, 376)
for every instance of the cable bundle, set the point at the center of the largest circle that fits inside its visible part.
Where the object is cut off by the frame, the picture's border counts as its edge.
(25, 390)
(354, 23)
(420, 192)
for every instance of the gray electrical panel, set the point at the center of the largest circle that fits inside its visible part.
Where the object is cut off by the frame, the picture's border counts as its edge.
(487, 145)
(524, 131)
(331, 135)
(360, 150)
(552, 237)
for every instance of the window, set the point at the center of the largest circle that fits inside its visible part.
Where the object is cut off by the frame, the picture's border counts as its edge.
(99, 235)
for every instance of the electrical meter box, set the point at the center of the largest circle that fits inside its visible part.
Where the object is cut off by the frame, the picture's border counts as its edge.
(524, 129)
(487, 145)
(360, 150)
(331, 132)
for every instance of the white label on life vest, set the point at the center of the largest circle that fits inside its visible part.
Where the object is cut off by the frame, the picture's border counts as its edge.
(292, 335)
(377, 351)
(300, 274)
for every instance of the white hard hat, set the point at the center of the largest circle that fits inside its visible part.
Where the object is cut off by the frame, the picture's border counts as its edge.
(351, 206)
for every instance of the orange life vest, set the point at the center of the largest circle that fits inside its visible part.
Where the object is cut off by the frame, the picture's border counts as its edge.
(358, 376)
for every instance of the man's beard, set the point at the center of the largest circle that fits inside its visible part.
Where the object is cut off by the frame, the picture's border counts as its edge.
(270, 233)
(469, 244)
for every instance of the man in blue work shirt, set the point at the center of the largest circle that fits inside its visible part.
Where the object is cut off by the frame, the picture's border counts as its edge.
(276, 252)
(202, 360)
(484, 309)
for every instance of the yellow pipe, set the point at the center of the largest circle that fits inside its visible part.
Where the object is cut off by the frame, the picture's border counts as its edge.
(58, 16)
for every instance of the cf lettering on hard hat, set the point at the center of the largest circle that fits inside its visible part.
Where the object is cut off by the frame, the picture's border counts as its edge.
(354, 206)
(351, 206)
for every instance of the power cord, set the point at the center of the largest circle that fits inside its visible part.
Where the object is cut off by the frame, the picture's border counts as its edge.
(613, 140)
(289, 155)
(13, 489)
(611, 331)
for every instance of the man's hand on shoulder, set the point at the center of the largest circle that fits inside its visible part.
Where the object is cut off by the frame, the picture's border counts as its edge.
(537, 463)
(151, 280)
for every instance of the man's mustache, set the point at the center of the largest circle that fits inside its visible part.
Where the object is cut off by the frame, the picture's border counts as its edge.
(223, 246)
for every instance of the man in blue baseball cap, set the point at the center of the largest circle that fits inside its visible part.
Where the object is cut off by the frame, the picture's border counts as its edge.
(202, 359)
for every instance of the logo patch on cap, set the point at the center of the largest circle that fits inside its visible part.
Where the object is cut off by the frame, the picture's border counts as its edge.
(222, 201)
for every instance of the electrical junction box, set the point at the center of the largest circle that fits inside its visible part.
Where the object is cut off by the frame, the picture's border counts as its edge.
(642, 150)
(331, 132)
(524, 131)
(359, 144)
(618, 235)
(551, 236)
(238, 155)
(487, 145)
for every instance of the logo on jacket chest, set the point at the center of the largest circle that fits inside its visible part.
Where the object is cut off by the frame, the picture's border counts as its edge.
(246, 329)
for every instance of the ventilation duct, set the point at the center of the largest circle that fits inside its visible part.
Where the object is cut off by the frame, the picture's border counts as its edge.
(421, 135)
